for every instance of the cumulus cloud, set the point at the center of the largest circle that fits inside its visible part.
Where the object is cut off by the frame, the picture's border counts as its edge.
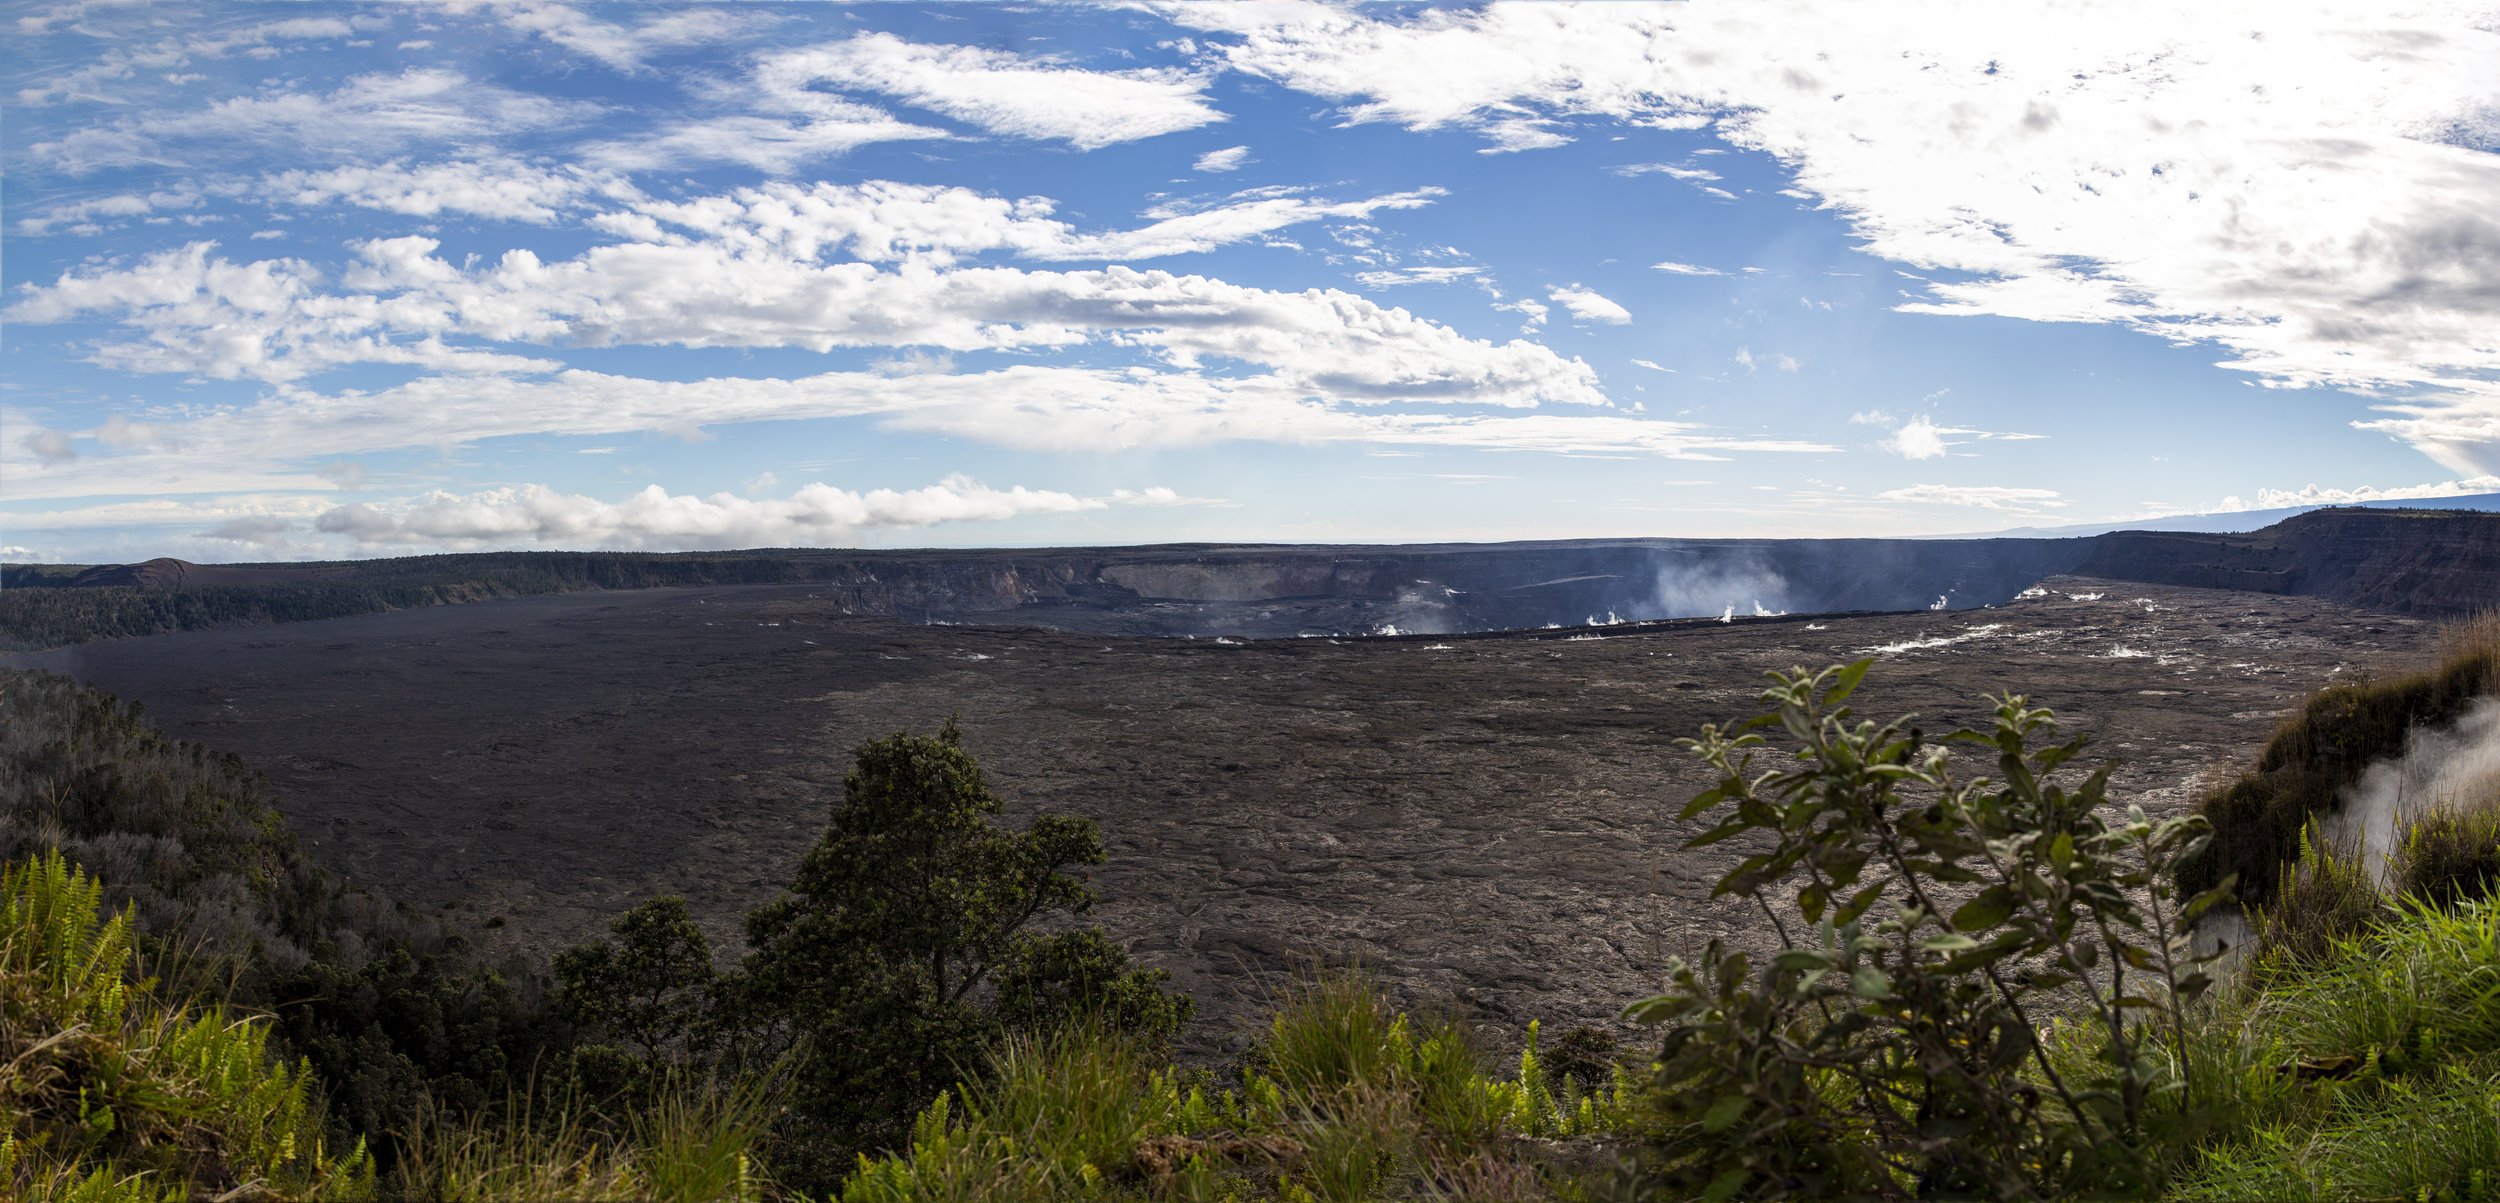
(1003, 92)
(816, 514)
(1586, 305)
(1228, 159)
(1990, 497)
(1672, 267)
(2329, 215)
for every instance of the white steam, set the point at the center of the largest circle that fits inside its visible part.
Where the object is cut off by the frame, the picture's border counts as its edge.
(2438, 768)
(1713, 590)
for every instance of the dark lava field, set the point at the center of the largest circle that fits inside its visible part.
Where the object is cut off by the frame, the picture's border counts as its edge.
(1486, 817)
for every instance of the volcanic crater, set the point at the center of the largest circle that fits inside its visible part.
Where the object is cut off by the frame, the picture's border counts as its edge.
(1486, 818)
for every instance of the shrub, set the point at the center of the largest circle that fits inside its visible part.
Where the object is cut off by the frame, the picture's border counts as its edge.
(1901, 1055)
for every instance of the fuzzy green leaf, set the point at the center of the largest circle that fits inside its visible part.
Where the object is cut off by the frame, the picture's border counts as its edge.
(1845, 682)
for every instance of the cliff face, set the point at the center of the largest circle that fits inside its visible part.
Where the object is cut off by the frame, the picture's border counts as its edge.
(1266, 591)
(2406, 561)
(2410, 561)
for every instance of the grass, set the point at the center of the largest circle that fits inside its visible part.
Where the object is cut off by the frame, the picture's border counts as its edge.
(2452, 854)
(1344, 1100)
(2368, 1075)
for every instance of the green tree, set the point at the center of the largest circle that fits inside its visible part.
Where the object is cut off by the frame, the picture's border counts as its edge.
(906, 944)
(648, 988)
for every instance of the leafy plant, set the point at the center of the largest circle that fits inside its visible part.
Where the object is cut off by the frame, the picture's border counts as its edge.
(105, 1092)
(1897, 1051)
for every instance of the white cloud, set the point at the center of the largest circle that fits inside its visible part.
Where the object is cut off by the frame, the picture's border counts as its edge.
(882, 221)
(84, 216)
(814, 515)
(1587, 306)
(1685, 269)
(755, 284)
(1534, 310)
(1672, 172)
(1228, 159)
(2314, 192)
(1395, 277)
(369, 114)
(507, 189)
(2277, 499)
(1027, 407)
(772, 145)
(1921, 438)
(1514, 134)
(1002, 92)
(165, 511)
(1983, 496)
(50, 445)
(625, 48)
(121, 62)
(1651, 366)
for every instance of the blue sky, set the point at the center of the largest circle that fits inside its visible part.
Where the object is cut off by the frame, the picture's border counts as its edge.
(321, 280)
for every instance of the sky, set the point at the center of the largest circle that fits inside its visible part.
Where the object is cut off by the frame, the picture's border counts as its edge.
(321, 281)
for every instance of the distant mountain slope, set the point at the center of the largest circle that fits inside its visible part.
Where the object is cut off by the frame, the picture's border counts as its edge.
(2235, 521)
(2414, 561)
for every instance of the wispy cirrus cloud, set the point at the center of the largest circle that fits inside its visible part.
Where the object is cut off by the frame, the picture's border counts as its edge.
(1002, 92)
(1989, 497)
(373, 114)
